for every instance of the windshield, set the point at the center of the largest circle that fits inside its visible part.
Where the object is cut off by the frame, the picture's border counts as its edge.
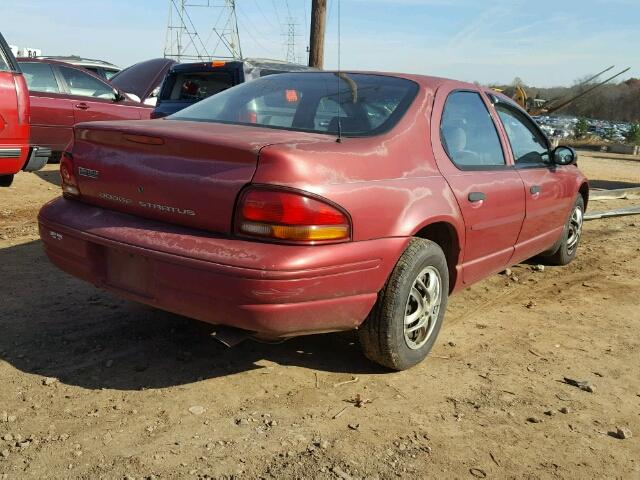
(356, 104)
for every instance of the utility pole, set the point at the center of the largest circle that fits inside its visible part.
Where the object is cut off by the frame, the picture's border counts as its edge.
(316, 45)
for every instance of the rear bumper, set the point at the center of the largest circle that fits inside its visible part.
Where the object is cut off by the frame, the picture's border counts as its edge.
(12, 158)
(29, 159)
(38, 158)
(273, 290)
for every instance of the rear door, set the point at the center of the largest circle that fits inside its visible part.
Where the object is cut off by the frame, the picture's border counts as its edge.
(14, 113)
(490, 193)
(92, 99)
(549, 189)
(51, 108)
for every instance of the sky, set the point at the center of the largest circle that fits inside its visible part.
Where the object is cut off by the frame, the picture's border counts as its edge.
(544, 42)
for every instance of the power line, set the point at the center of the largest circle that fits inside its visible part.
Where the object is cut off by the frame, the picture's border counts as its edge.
(250, 28)
(183, 42)
(262, 13)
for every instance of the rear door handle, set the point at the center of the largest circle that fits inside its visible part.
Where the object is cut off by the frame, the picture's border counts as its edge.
(534, 189)
(82, 106)
(476, 196)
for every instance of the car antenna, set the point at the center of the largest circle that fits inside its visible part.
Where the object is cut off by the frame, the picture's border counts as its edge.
(339, 139)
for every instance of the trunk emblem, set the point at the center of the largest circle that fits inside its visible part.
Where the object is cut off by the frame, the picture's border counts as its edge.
(89, 173)
(141, 189)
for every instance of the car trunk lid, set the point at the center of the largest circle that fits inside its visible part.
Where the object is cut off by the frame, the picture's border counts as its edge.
(185, 173)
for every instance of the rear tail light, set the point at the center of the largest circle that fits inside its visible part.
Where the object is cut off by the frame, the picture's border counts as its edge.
(68, 176)
(290, 216)
(22, 94)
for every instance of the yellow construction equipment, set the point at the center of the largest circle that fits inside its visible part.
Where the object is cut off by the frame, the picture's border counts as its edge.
(537, 106)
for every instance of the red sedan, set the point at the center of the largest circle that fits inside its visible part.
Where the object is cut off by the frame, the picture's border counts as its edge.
(63, 94)
(313, 202)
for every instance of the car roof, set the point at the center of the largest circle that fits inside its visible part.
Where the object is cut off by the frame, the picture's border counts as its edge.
(427, 81)
(74, 59)
(64, 64)
(264, 63)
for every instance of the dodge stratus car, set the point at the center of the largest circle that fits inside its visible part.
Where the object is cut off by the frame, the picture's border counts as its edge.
(315, 202)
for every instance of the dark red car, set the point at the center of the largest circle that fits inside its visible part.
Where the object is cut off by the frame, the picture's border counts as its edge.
(15, 152)
(63, 94)
(314, 202)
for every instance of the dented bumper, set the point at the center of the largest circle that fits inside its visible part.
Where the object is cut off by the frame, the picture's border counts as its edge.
(270, 289)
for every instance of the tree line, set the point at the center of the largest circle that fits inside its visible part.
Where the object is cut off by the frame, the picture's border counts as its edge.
(616, 102)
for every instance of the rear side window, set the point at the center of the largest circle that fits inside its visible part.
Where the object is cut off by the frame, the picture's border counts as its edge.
(40, 77)
(468, 133)
(197, 86)
(355, 104)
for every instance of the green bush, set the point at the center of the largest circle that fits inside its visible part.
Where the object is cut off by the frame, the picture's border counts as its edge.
(633, 135)
(581, 128)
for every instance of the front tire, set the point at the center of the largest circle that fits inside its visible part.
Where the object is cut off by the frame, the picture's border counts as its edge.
(404, 324)
(571, 235)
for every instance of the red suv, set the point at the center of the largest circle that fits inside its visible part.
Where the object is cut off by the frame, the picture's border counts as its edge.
(313, 202)
(15, 154)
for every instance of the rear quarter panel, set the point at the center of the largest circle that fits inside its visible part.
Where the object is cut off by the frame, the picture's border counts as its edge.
(389, 184)
(13, 133)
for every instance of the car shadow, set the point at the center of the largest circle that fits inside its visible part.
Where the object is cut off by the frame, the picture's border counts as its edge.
(57, 326)
(51, 176)
(611, 184)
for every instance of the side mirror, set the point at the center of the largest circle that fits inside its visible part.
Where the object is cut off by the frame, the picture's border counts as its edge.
(118, 96)
(564, 156)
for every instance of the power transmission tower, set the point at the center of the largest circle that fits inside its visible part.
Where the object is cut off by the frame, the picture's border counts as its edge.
(183, 42)
(291, 40)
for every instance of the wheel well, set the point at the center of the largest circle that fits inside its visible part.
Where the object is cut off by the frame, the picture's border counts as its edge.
(584, 191)
(446, 237)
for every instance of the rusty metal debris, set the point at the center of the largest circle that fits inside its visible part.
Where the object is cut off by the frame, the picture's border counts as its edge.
(617, 212)
(618, 193)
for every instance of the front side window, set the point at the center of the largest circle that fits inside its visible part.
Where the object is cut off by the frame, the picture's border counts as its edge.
(357, 105)
(527, 143)
(468, 133)
(85, 85)
(39, 77)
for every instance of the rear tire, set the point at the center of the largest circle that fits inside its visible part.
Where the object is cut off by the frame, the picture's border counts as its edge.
(405, 321)
(571, 234)
(6, 180)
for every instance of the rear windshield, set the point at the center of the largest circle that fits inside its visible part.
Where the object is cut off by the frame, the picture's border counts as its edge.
(196, 86)
(355, 104)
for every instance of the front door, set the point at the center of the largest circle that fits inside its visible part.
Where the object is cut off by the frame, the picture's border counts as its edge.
(489, 191)
(549, 189)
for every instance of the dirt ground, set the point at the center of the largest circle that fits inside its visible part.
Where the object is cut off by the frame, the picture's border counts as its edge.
(96, 387)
